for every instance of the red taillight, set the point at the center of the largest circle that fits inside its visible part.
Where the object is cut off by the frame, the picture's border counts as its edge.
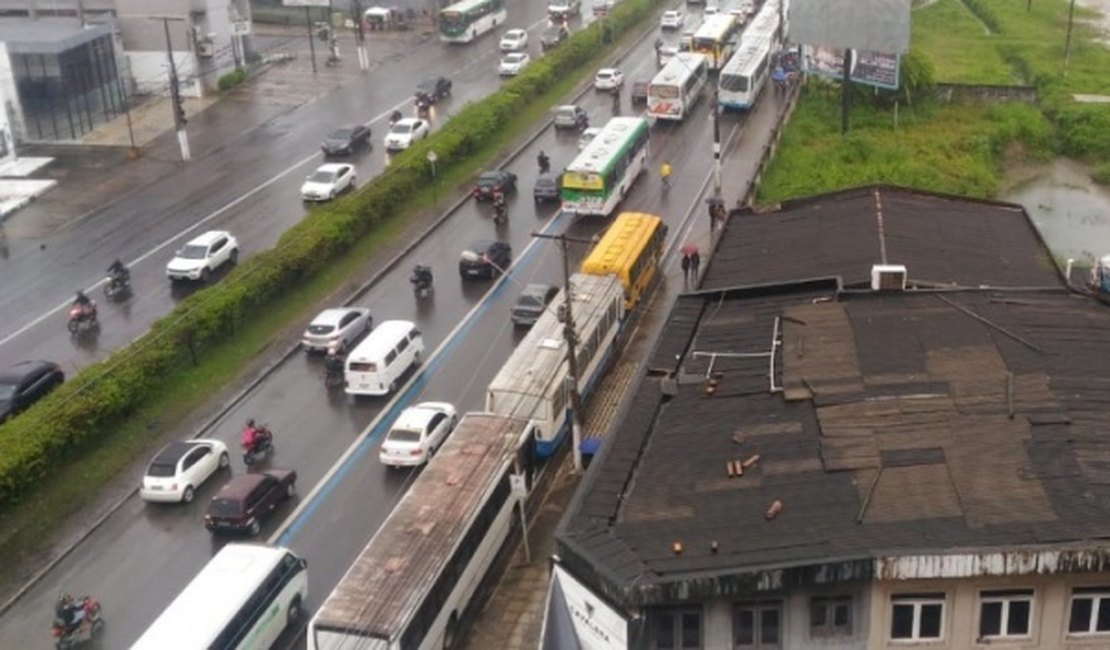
(56, 631)
(415, 452)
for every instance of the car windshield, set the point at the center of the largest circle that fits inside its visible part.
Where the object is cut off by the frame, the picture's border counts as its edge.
(320, 176)
(401, 128)
(566, 113)
(321, 329)
(224, 508)
(545, 181)
(342, 134)
(403, 435)
(514, 58)
(489, 179)
(427, 86)
(194, 252)
(514, 35)
(161, 470)
(529, 301)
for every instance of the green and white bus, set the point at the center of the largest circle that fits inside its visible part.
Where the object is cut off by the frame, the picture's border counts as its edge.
(597, 180)
(465, 21)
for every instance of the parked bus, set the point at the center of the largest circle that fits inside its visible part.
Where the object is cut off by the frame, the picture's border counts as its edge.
(745, 74)
(677, 87)
(597, 179)
(533, 382)
(716, 39)
(243, 598)
(630, 251)
(465, 21)
(414, 583)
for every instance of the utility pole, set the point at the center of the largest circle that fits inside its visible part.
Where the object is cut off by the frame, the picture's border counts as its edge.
(572, 342)
(175, 90)
(360, 36)
(1067, 40)
(716, 142)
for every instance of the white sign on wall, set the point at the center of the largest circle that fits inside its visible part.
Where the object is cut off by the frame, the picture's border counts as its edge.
(575, 611)
(306, 3)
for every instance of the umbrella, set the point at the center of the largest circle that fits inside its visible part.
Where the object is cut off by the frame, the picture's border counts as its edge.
(689, 249)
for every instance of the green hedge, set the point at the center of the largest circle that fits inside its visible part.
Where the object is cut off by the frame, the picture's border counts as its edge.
(83, 410)
(232, 79)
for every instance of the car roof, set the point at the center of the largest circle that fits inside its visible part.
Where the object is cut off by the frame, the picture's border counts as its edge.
(608, 71)
(331, 167)
(416, 417)
(173, 452)
(545, 179)
(16, 373)
(207, 238)
(410, 121)
(536, 289)
(516, 32)
(331, 316)
(240, 486)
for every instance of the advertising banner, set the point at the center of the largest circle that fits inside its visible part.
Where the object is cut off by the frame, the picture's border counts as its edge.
(576, 618)
(879, 69)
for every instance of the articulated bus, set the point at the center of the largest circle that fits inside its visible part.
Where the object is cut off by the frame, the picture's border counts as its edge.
(745, 74)
(629, 251)
(242, 599)
(716, 39)
(677, 87)
(465, 21)
(413, 586)
(533, 382)
(598, 178)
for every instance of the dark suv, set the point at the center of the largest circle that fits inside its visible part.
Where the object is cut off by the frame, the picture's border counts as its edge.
(434, 88)
(485, 260)
(241, 505)
(490, 183)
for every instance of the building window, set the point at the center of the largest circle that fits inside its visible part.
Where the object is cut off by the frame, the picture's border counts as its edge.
(830, 616)
(1005, 614)
(675, 629)
(916, 617)
(757, 625)
(1090, 611)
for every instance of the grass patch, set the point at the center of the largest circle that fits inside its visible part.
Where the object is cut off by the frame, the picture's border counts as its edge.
(954, 41)
(29, 526)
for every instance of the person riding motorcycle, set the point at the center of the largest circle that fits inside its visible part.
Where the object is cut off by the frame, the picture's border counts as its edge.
(81, 300)
(333, 365)
(500, 208)
(118, 274)
(395, 117)
(544, 162)
(253, 436)
(422, 276)
(69, 613)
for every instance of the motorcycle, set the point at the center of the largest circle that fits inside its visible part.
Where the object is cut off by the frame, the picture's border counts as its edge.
(421, 282)
(423, 106)
(500, 211)
(545, 164)
(118, 287)
(261, 447)
(333, 378)
(90, 627)
(82, 318)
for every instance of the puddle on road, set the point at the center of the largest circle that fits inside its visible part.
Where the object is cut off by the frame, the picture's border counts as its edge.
(1071, 211)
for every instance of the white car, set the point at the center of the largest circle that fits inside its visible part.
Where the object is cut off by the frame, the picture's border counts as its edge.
(337, 328)
(710, 10)
(328, 181)
(405, 132)
(608, 79)
(204, 254)
(514, 40)
(417, 433)
(672, 19)
(180, 468)
(513, 63)
(587, 135)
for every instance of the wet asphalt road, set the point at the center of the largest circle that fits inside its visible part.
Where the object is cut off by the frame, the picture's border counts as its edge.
(145, 554)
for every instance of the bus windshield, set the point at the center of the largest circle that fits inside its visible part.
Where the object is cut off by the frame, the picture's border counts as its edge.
(663, 92)
(453, 20)
(734, 82)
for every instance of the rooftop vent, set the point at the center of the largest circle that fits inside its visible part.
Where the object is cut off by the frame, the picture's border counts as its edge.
(888, 277)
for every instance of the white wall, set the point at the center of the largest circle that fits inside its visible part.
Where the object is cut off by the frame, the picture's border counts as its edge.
(150, 71)
(11, 112)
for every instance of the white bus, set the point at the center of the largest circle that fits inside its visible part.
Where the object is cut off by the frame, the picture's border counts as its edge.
(677, 87)
(716, 39)
(533, 382)
(465, 21)
(243, 598)
(598, 178)
(745, 74)
(413, 586)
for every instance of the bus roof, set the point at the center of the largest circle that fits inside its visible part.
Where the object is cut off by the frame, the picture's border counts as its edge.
(621, 243)
(213, 597)
(465, 6)
(385, 586)
(602, 151)
(527, 374)
(751, 52)
(679, 68)
(715, 27)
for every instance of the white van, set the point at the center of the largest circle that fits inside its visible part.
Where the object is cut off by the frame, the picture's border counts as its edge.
(374, 367)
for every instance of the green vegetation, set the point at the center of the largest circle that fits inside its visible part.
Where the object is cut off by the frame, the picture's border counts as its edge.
(232, 79)
(959, 148)
(99, 421)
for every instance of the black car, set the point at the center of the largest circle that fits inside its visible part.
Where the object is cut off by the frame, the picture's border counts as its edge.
(532, 302)
(552, 35)
(485, 260)
(346, 139)
(489, 183)
(434, 88)
(246, 499)
(546, 189)
(25, 383)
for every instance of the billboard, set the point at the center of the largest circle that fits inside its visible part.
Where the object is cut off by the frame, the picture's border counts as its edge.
(876, 25)
(868, 67)
(577, 618)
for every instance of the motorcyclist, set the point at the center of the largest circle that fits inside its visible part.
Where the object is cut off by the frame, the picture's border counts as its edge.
(395, 117)
(69, 612)
(333, 364)
(500, 208)
(254, 436)
(422, 276)
(544, 162)
(82, 301)
(118, 274)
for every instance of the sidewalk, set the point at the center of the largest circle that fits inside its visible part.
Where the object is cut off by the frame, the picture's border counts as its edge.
(512, 619)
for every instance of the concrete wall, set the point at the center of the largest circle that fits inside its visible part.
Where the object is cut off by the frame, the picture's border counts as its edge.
(1048, 621)
(11, 113)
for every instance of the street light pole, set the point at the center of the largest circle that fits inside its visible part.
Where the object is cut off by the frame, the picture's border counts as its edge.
(716, 142)
(360, 36)
(178, 108)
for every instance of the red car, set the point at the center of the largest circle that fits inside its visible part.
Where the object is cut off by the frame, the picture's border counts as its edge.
(245, 500)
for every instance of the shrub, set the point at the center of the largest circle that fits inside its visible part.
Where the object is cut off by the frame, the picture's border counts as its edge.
(232, 79)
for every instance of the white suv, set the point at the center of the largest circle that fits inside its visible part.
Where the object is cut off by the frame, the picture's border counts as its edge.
(202, 255)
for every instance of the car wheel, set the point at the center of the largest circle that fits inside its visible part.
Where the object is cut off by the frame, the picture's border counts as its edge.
(416, 358)
(293, 614)
(205, 272)
(224, 460)
(290, 490)
(188, 494)
(254, 529)
(393, 387)
(234, 256)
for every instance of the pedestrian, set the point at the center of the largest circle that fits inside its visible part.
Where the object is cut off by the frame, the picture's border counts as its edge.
(686, 261)
(695, 265)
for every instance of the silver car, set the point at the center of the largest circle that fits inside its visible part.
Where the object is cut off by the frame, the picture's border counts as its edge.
(336, 328)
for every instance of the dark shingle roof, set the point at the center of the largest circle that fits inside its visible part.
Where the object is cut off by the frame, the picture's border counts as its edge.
(886, 423)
